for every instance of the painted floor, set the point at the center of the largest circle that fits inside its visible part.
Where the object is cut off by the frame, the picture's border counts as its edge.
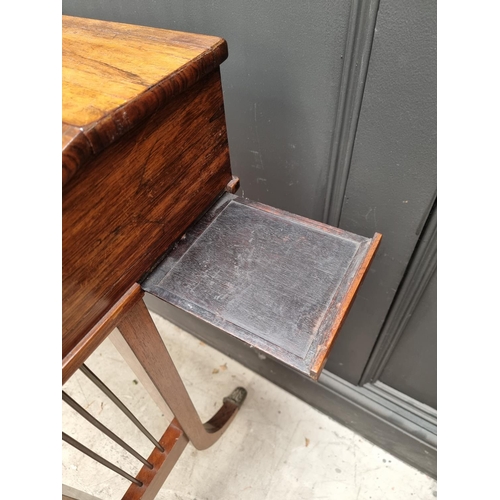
(278, 447)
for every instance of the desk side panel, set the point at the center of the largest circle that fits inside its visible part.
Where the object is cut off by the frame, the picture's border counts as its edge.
(137, 197)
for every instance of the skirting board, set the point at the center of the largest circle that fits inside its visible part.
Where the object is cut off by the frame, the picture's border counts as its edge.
(350, 405)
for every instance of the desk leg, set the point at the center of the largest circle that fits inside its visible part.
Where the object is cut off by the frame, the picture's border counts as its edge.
(140, 333)
(134, 364)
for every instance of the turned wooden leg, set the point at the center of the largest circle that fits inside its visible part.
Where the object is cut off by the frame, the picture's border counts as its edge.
(140, 333)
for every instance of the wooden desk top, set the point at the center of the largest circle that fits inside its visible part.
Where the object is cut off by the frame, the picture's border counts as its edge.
(116, 75)
(144, 153)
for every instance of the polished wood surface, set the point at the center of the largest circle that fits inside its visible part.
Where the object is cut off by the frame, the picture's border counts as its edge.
(277, 281)
(140, 333)
(115, 75)
(146, 180)
(144, 153)
(337, 313)
(174, 440)
(89, 343)
(134, 364)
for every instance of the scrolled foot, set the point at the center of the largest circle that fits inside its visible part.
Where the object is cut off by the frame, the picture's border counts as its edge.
(236, 397)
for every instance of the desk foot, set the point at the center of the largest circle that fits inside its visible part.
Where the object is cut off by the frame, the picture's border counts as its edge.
(237, 397)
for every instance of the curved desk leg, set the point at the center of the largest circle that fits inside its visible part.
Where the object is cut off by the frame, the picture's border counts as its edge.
(140, 333)
(134, 364)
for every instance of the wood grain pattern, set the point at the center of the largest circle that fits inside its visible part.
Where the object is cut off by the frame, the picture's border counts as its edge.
(279, 282)
(233, 185)
(76, 149)
(335, 318)
(123, 210)
(110, 85)
(89, 343)
(143, 112)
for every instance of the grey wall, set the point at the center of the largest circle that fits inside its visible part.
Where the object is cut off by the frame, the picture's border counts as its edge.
(410, 367)
(391, 184)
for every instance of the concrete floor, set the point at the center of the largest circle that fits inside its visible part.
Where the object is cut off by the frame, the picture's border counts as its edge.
(278, 447)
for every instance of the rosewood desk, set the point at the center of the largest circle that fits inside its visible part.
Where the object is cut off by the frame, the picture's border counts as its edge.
(149, 206)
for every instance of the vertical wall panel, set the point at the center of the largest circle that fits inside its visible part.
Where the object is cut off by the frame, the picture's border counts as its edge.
(392, 177)
(412, 367)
